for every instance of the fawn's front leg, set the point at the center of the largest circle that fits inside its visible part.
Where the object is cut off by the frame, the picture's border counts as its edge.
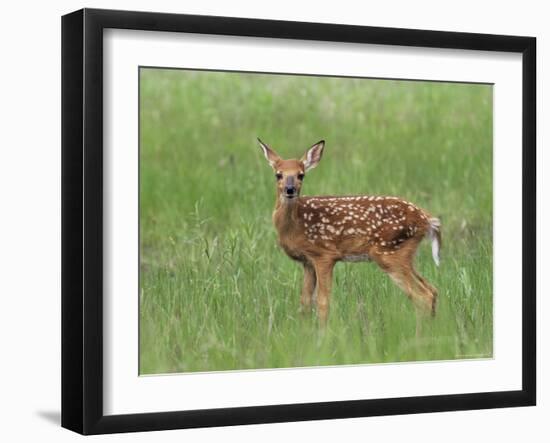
(308, 288)
(323, 271)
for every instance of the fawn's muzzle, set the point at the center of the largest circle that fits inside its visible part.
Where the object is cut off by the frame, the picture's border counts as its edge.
(290, 191)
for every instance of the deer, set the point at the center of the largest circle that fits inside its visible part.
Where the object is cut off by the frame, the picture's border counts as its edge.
(320, 231)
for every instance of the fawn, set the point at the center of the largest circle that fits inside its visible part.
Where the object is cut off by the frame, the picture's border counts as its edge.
(320, 231)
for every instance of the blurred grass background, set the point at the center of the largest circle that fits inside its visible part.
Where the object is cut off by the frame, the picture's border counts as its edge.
(216, 293)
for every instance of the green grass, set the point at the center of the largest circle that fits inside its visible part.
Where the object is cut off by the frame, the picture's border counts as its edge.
(216, 293)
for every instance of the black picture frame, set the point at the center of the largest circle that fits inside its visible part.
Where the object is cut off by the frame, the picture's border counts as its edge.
(82, 219)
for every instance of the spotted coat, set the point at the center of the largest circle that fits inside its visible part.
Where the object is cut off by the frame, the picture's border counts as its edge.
(353, 227)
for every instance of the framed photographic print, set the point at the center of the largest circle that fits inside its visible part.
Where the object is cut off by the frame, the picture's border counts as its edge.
(270, 221)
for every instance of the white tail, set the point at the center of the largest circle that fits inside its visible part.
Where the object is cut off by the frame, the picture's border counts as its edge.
(435, 235)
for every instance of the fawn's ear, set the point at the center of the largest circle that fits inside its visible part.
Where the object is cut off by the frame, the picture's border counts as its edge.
(270, 154)
(313, 155)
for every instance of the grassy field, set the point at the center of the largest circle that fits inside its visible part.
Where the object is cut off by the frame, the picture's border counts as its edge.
(216, 293)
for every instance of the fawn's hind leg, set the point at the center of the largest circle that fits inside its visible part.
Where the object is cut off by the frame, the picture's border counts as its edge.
(430, 288)
(407, 280)
(423, 299)
(399, 266)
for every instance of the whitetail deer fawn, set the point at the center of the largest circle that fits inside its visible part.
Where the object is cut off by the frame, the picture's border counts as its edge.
(320, 231)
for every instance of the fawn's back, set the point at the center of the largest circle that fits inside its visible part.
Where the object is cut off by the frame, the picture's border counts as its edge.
(351, 228)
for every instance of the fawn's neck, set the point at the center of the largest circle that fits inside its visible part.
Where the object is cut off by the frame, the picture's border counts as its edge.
(285, 215)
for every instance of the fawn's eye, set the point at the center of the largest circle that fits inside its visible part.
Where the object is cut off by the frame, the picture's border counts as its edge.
(279, 176)
(301, 176)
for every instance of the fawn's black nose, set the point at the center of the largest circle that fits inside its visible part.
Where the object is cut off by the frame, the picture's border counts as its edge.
(290, 190)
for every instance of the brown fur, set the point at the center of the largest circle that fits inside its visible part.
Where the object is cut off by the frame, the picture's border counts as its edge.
(321, 231)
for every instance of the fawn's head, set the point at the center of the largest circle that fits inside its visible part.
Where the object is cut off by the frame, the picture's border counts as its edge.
(290, 173)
